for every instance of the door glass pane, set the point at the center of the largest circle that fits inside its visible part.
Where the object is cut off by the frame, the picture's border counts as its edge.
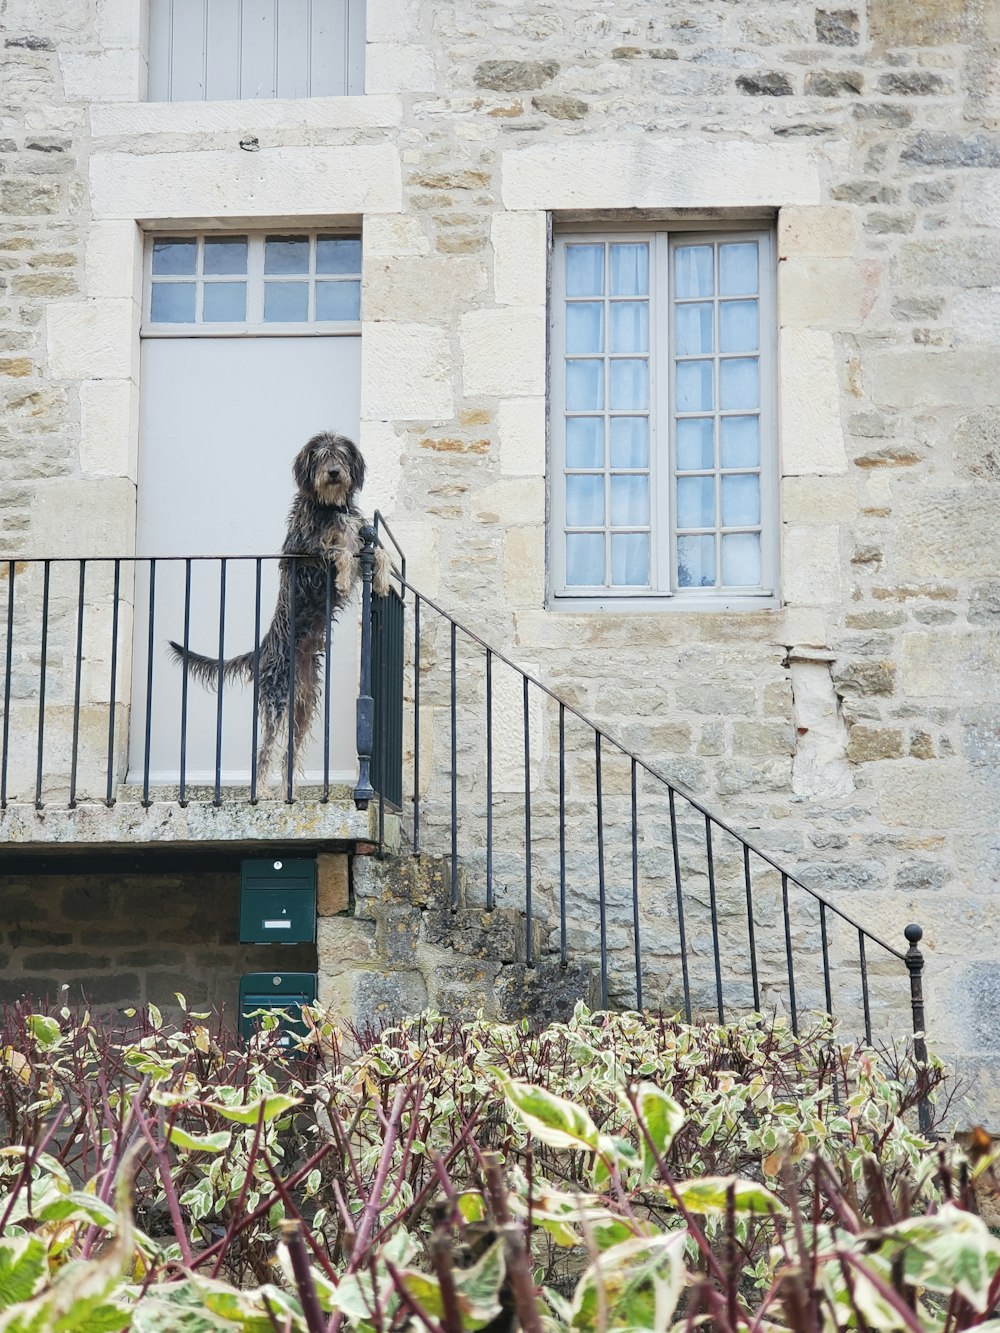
(585, 559)
(695, 562)
(584, 441)
(174, 256)
(585, 272)
(738, 326)
(225, 254)
(741, 559)
(585, 501)
(584, 385)
(740, 501)
(630, 442)
(630, 326)
(694, 445)
(629, 270)
(694, 386)
(338, 254)
(584, 326)
(693, 271)
(629, 502)
(286, 254)
(338, 300)
(740, 441)
(630, 559)
(224, 302)
(286, 302)
(738, 268)
(696, 502)
(629, 385)
(739, 386)
(694, 329)
(172, 303)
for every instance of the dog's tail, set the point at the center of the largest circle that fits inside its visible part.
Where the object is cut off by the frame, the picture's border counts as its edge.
(206, 669)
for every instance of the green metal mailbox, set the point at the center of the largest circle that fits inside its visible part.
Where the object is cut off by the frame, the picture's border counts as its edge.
(278, 901)
(287, 991)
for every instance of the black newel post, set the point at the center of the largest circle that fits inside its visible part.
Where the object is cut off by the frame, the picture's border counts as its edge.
(364, 791)
(915, 963)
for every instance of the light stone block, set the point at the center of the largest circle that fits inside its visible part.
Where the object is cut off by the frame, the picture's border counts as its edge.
(819, 499)
(803, 625)
(515, 501)
(521, 431)
(503, 351)
(811, 564)
(395, 67)
(274, 183)
(91, 339)
(383, 454)
(930, 795)
(524, 566)
(389, 235)
(114, 260)
(74, 516)
(947, 534)
(980, 198)
(812, 438)
(106, 76)
(520, 258)
(420, 289)
(827, 232)
(133, 119)
(391, 20)
(419, 539)
(109, 416)
(920, 377)
(976, 316)
(825, 293)
(937, 666)
(660, 172)
(406, 373)
(508, 729)
(121, 23)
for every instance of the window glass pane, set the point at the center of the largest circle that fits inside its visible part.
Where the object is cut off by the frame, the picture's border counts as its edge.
(696, 502)
(738, 268)
(338, 254)
(694, 445)
(584, 559)
(693, 271)
(585, 272)
(630, 559)
(630, 442)
(225, 254)
(224, 302)
(738, 326)
(286, 302)
(629, 502)
(584, 385)
(630, 326)
(694, 386)
(172, 303)
(584, 326)
(740, 441)
(694, 329)
(585, 501)
(629, 385)
(584, 441)
(695, 562)
(338, 300)
(629, 270)
(286, 254)
(740, 501)
(739, 386)
(174, 256)
(741, 559)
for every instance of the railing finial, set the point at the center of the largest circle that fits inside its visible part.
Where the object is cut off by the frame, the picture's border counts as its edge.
(915, 963)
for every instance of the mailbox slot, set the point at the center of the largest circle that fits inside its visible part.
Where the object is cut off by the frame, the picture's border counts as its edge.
(278, 901)
(287, 991)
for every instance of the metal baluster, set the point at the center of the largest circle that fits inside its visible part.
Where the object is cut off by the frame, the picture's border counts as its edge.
(255, 706)
(11, 569)
(150, 641)
(110, 797)
(365, 726)
(529, 952)
(454, 769)
(680, 904)
(864, 985)
(185, 681)
(328, 623)
(601, 886)
(750, 927)
(217, 801)
(716, 949)
(562, 834)
(827, 989)
(290, 755)
(788, 953)
(489, 780)
(74, 753)
(416, 724)
(915, 965)
(380, 611)
(41, 681)
(635, 887)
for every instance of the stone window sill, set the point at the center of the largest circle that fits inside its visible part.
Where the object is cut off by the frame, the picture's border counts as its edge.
(117, 120)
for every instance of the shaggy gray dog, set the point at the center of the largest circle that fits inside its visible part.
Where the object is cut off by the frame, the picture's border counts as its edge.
(324, 531)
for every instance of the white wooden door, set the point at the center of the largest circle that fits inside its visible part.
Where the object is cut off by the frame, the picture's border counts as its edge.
(220, 421)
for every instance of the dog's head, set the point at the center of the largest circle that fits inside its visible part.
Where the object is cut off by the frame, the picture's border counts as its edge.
(329, 469)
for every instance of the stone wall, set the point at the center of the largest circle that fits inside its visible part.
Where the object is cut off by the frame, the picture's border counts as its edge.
(855, 728)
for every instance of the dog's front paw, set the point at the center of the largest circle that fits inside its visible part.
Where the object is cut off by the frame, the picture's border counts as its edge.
(382, 572)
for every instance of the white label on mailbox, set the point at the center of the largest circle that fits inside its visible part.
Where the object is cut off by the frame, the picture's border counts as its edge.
(277, 925)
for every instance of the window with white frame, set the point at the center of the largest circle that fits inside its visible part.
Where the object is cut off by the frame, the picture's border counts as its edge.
(271, 282)
(213, 50)
(664, 453)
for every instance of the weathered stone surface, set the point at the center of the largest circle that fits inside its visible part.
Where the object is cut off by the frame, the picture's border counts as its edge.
(511, 76)
(867, 744)
(561, 107)
(837, 27)
(834, 83)
(546, 993)
(771, 84)
(911, 83)
(932, 148)
(917, 22)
